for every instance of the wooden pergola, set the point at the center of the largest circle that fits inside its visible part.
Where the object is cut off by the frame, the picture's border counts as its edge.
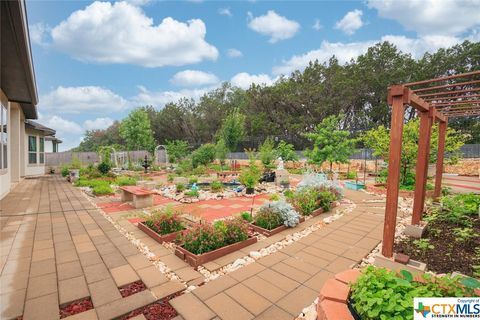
(435, 100)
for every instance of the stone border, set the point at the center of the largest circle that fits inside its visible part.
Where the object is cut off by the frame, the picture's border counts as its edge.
(333, 299)
(196, 260)
(157, 237)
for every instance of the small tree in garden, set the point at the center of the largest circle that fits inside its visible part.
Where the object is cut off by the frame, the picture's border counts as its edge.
(204, 155)
(177, 150)
(233, 130)
(137, 132)
(286, 151)
(267, 152)
(221, 151)
(329, 143)
(378, 139)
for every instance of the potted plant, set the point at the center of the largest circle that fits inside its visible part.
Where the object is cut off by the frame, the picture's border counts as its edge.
(74, 169)
(249, 178)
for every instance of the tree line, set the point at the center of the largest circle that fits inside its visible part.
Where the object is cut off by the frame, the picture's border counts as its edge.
(295, 104)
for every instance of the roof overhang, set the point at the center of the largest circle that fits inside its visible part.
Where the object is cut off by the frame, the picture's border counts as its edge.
(17, 76)
(29, 124)
(52, 138)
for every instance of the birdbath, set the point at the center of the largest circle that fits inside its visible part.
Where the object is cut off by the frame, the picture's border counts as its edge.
(145, 165)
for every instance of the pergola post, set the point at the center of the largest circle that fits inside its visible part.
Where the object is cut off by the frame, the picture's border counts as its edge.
(393, 180)
(442, 132)
(422, 166)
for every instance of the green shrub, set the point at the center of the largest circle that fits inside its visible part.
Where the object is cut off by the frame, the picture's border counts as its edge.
(125, 181)
(351, 175)
(192, 193)
(65, 171)
(164, 221)
(306, 201)
(202, 238)
(170, 177)
(199, 170)
(268, 219)
(102, 189)
(289, 194)
(216, 186)
(382, 294)
(104, 167)
(180, 187)
(325, 199)
(275, 197)
(247, 216)
(192, 179)
(250, 176)
(204, 155)
(236, 231)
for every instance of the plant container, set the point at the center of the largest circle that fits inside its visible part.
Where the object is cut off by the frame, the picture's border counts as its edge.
(170, 237)
(196, 260)
(269, 233)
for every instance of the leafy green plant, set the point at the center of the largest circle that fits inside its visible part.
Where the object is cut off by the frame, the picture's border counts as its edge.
(177, 150)
(165, 221)
(170, 177)
(274, 197)
(351, 175)
(199, 170)
(204, 155)
(423, 245)
(305, 201)
(75, 163)
(267, 152)
(192, 193)
(180, 187)
(267, 219)
(192, 179)
(102, 189)
(221, 151)
(286, 151)
(247, 216)
(125, 181)
(202, 238)
(65, 171)
(325, 199)
(382, 294)
(216, 186)
(236, 231)
(104, 167)
(464, 234)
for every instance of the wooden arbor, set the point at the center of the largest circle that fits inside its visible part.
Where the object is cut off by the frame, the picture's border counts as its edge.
(435, 100)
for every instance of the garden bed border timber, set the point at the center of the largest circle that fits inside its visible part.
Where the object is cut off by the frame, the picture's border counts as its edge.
(196, 260)
(157, 237)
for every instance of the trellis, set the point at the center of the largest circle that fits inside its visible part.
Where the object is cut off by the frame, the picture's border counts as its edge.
(435, 100)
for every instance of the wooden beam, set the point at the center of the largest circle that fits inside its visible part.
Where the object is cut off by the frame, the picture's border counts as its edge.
(456, 76)
(393, 180)
(462, 114)
(466, 96)
(417, 102)
(454, 103)
(442, 132)
(459, 84)
(446, 93)
(422, 167)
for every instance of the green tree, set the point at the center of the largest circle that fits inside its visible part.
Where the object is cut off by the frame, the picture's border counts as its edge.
(330, 143)
(286, 151)
(137, 132)
(378, 139)
(177, 150)
(233, 129)
(267, 152)
(204, 155)
(221, 151)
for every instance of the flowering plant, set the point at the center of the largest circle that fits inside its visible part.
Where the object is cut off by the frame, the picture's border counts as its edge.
(164, 221)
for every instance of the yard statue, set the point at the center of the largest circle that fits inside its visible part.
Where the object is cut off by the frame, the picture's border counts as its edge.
(280, 164)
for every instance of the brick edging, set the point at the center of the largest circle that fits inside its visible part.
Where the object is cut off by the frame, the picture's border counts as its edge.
(334, 295)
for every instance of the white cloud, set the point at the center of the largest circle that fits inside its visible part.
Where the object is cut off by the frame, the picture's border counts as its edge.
(98, 123)
(234, 53)
(82, 99)
(189, 78)
(316, 25)
(351, 22)
(244, 79)
(38, 32)
(160, 98)
(344, 52)
(121, 33)
(62, 126)
(273, 25)
(429, 17)
(225, 12)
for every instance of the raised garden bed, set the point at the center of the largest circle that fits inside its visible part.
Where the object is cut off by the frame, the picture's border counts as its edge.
(269, 233)
(196, 260)
(170, 237)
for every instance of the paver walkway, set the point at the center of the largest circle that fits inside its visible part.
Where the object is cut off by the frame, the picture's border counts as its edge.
(57, 248)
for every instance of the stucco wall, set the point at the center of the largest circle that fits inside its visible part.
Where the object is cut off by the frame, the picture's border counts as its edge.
(5, 179)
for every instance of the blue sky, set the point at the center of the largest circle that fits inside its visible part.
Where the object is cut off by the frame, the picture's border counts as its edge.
(96, 61)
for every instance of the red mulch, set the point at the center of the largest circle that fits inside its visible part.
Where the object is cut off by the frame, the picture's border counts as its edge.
(76, 307)
(159, 310)
(132, 288)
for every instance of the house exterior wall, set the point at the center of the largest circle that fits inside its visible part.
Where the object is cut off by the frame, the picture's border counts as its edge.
(37, 168)
(5, 179)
